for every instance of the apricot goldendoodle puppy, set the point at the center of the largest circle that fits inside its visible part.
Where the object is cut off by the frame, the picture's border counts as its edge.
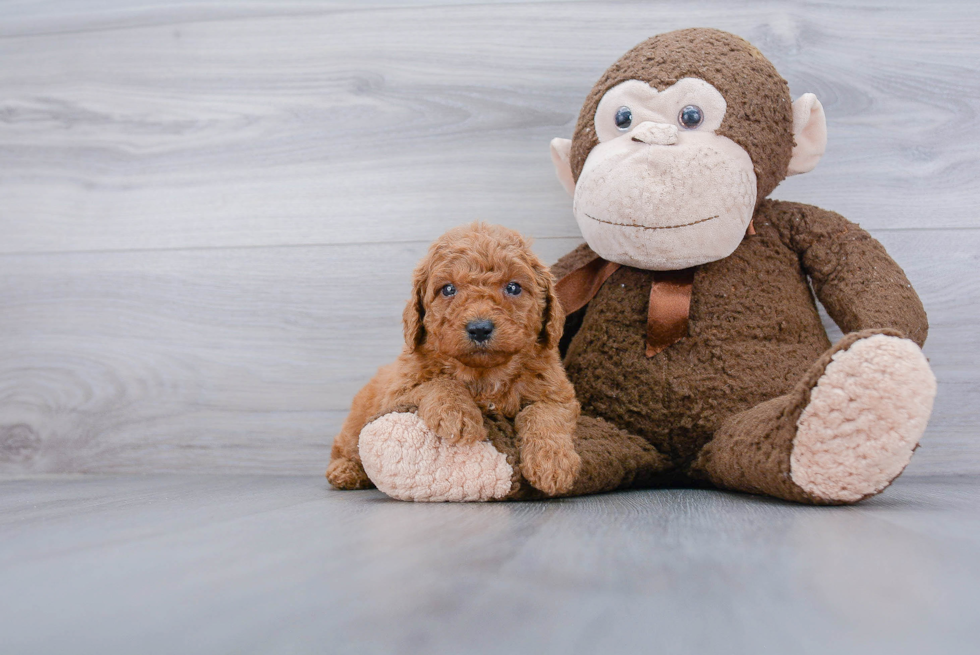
(481, 334)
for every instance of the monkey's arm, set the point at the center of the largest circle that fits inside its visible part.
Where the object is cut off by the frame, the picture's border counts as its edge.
(855, 279)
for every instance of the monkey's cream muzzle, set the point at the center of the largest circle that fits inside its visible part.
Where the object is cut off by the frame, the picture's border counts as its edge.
(660, 198)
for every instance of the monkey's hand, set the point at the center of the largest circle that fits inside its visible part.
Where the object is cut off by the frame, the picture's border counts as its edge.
(450, 411)
(548, 458)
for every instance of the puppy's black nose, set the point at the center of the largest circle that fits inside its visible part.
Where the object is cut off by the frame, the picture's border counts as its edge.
(479, 330)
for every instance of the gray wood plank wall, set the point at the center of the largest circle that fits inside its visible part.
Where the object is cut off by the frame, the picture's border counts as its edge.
(208, 212)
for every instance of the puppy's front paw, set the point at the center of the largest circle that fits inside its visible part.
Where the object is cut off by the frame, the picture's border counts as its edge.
(347, 474)
(456, 423)
(550, 465)
(473, 429)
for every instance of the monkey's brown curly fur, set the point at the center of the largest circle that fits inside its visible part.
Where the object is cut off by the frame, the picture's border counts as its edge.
(454, 380)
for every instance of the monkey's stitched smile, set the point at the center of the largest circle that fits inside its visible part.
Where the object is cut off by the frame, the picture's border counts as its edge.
(653, 227)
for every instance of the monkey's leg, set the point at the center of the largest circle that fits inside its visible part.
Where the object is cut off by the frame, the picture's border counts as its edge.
(613, 459)
(408, 461)
(844, 433)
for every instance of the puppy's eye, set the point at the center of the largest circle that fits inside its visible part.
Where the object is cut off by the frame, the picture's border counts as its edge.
(512, 289)
(624, 118)
(690, 117)
(448, 290)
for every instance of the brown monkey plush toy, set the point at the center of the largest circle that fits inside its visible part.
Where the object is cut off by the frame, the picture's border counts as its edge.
(692, 338)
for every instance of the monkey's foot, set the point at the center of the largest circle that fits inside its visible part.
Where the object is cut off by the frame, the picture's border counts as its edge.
(407, 461)
(864, 418)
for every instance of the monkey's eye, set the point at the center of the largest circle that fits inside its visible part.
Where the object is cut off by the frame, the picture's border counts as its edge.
(448, 290)
(624, 118)
(690, 117)
(512, 289)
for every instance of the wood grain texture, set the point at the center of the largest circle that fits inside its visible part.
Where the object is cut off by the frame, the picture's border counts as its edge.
(265, 564)
(209, 211)
(166, 125)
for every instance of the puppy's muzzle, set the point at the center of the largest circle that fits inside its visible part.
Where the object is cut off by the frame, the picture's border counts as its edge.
(480, 330)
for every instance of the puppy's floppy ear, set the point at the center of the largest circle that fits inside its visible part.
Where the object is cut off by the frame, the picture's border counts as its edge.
(414, 315)
(552, 314)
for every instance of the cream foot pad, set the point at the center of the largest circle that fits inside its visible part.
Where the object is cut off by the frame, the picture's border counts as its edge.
(864, 419)
(407, 461)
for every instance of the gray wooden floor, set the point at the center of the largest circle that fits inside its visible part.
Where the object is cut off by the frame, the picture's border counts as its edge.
(269, 564)
(208, 215)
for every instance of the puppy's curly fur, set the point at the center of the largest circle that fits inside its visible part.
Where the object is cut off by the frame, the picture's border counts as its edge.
(466, 278)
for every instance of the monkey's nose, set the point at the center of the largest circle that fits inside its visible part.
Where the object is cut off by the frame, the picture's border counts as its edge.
(479, 330)
(655, 134)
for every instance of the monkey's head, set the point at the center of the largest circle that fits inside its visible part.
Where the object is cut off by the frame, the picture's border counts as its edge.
(678, 143)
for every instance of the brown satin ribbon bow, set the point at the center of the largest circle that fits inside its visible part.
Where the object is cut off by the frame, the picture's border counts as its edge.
(670, 299)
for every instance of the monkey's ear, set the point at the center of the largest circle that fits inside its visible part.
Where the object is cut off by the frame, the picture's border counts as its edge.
(560, 150)
(553, 315)
(809, 133)
(414, 315)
